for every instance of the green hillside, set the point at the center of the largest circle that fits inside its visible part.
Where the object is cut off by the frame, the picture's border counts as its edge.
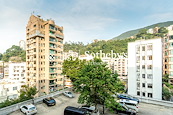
(134, 32)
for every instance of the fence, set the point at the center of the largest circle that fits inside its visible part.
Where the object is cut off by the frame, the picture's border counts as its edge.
(12, 108)
(156, 101)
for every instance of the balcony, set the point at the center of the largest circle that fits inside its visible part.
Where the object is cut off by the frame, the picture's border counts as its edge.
(53, 39)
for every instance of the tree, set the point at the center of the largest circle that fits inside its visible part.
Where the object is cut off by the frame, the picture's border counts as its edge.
(1, 56)
(71, 68)
(27, 92)
(96, 83)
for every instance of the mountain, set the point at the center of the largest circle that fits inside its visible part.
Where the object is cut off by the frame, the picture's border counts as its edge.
(134, 32)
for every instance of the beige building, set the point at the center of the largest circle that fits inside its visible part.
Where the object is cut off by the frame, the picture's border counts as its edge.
(44, 49)
(168, 54)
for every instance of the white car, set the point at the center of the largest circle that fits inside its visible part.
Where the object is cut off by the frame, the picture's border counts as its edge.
(28, 109)
(68, 94)
(91, 109)
(130, 104)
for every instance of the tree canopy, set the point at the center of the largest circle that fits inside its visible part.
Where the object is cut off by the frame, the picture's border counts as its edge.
(14, 51)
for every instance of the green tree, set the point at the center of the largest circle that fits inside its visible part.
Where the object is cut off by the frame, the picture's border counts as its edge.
(96, 83)
(71, 68)
(1, 56)
(13, 52)
(27, 92)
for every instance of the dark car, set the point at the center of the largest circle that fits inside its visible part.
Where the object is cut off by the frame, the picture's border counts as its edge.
(49, 101)
(125, 110)
(69, 110)
(123, 96)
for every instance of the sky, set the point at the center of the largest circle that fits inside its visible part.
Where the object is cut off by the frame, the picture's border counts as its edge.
(83, 20)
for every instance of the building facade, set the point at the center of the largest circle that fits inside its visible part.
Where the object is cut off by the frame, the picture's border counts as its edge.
(17, 72)
(145, 68)
(168, 54)
(44, 54)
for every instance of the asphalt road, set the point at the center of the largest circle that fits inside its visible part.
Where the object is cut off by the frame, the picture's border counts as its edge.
(62, 102)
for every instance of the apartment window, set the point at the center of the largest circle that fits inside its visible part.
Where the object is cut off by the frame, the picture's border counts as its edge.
(35, 25)
(171, 52)
(14, 88)
(171, 66)
(138, 84)
(143, 84)
(143, 57)
(143, 66)
(149, 47)
(150, 85)
(166, 40)
(149, 67)
(171, 59)
(143, 94)
(143, 48)
(171, 73)
(170, 37)
(143, 75)
(150, 57)
(138, 93)
(149, 76)
(171, 44)
(166, 53)
(150, 95)
(137, 58)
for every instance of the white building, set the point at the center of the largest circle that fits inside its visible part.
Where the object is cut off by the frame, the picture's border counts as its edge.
(9, 90)
(17, 72)
(145, 68)
(70, 53)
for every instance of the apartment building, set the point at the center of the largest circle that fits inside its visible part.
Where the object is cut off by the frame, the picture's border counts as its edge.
(168, 54)
(9, 90)
(44, 54)
(145, 68)
(17, 72)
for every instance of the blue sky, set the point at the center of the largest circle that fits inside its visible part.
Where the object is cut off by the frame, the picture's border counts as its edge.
(83, 20)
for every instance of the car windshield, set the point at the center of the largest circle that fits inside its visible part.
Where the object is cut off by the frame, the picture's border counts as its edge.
(32, 108)
(69, 93)
(51, 101)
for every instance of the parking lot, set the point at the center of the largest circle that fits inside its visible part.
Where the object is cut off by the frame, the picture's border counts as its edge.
(62, 102)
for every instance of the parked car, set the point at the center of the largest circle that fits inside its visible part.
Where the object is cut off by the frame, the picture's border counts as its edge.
(68, 94)
(91, 109)
(49, 101)
(130, 104)
(124, 96)
(125, 110)
(28, 109)
(69, 110)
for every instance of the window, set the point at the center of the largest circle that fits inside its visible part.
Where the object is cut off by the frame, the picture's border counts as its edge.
(14, 88)
(150, 57)
(143, 84)
(149, 67)
(170, 37)
(166, 53)
(171, 59)
(143, 48)
(35, 25)
(143, 94)
(138, 93)
(150, 95)
(171, 66)
(171, 52)
(143, 66)
(149, 47)
(143, 57)
(150, 85)
(171, 73)
(171, 44)
(138, 84)
(143, 75)
(149, 76)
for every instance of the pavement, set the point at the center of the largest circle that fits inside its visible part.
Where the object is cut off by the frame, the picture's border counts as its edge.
(62, 102)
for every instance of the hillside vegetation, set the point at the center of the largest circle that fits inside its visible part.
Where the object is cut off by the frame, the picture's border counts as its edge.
(118, 46)
(134, 32)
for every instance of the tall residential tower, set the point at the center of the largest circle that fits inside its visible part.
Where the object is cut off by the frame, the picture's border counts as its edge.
(44, 49)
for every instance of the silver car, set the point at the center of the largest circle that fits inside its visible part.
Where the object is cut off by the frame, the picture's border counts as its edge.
(68, 94)
(28, 109)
